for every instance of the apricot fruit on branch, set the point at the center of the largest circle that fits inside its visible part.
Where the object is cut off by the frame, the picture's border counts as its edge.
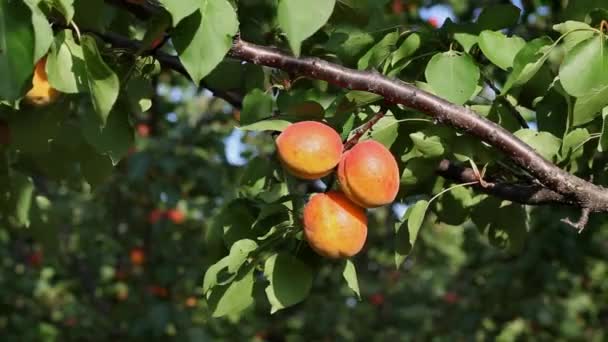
(334, 226)
(369, 175)
(41, 93)
(309, 149)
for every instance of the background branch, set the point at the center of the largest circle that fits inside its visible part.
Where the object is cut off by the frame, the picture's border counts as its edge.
(577, 191)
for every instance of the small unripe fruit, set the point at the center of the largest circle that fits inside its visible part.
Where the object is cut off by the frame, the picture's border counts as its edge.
(334, 226)
(369, 175)
(309, 149)
(41, 93)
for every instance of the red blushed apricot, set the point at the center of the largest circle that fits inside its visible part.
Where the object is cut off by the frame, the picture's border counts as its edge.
(369, 174)
(309, 149)
(334, 226)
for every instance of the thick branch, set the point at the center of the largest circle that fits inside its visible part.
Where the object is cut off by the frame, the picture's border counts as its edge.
(167, 61)
(534, 194)
(577, 191)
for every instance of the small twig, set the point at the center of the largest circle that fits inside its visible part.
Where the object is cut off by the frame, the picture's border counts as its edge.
(359, 132)
(520, 119)
(582, 221)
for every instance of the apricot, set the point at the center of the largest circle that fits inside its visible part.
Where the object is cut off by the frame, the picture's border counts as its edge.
(309, 149)
(334, 226)
(41, 93)
(137, 256)
(369, 175)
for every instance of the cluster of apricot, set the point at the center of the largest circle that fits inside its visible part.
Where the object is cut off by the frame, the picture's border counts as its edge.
(335, 222)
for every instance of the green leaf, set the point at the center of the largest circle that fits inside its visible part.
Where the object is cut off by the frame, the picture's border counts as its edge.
(385, 131)
(573, 148)
(17, 42)
(203, 39)
(114, 139)
(453, 76)
(43, 32)
(350, 275)
(409, 46)
(603, 143)
(584, 71)
(407, 232)
(552, 111)
(21, 194)
(546, 144)
(588, 107)
(301, 19)
(230, 264)
(65, 65)
(180, 9)
(290, 281)
(65, 7)
(431, 146)
(257, 105)
(234, 297)
(102, 80)
(505, 223)
(96, 169)
(379, 53)
(527, 62)
(574, 32)
(500, 49)
(349, 43)
(267, 125)
(498, 17)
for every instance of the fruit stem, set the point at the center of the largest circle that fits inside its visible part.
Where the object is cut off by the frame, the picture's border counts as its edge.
(359, 132)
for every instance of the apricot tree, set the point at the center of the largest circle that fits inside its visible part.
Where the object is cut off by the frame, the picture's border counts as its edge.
(466, 124)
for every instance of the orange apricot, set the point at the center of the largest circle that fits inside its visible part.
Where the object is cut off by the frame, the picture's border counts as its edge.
(334, 226)
(137, 256)
(369, 175)
(309, 149)
(41, 93)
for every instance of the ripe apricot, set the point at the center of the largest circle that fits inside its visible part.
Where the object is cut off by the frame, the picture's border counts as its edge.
(137, 256)
(41, 93)
(309, 149)
(176, 216)
(369, 175)
(334, 226)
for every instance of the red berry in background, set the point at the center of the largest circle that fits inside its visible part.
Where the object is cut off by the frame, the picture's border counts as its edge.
(70, 322)
(397, 6)
(158, 291)
(155, 216)
(451, 297)
(5, 133)
(376, 299)
(433, 21)
(137, 256)
(176, 216)
(35, 259)
(143, 130)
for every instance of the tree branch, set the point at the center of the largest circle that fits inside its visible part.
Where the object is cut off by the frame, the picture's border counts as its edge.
(574, 190)
(577, 191)
(523, 193)
(167, 61)
(359, 132)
